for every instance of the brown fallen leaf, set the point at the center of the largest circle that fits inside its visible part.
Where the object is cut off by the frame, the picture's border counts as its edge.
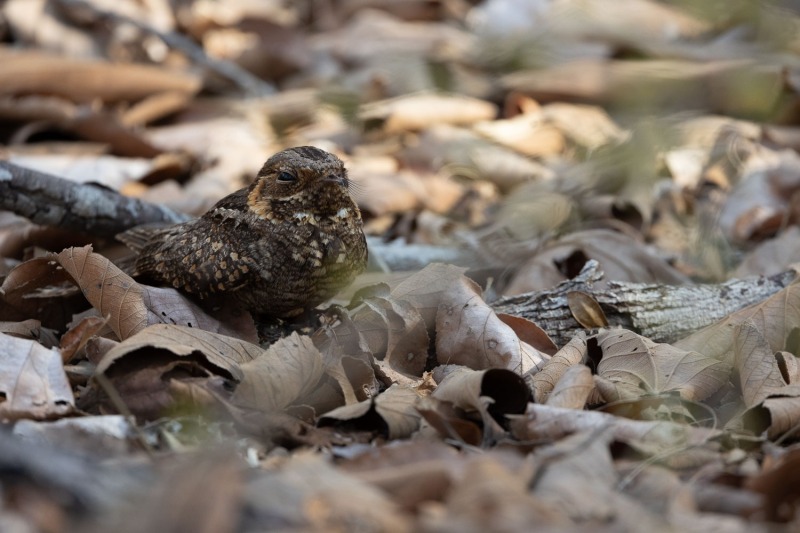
(779, 486)
(30, 329)
(131, 307)
(32, 381)
(530, 333)
(286, 372)
(543, 382)
(586, 310)
(469, 333)
(573, 389)
(391, 413)
(75, 338)
(755, 362)
(165, 365)
(24, 293)
(636, 365)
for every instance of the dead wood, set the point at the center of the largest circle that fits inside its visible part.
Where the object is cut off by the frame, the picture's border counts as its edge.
(86, 208)
(664, 313)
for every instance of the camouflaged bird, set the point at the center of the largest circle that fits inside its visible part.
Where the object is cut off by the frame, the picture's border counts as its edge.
(281, 246)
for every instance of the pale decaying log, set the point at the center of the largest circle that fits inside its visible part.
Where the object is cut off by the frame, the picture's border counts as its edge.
(664, 313)
(52, 201)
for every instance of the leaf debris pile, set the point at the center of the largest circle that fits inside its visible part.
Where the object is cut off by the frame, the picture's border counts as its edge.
(500, 149)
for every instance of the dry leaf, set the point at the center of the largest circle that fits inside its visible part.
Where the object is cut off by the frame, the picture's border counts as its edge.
(759, 375)
(469, 390)
(543, 382)
(636, 365)
(469, 333)
(391, 413)
(132, 307)
(586, 311)
(573, 389)
(287, 371)
(76, 338)
(32, 381)
(579, 480)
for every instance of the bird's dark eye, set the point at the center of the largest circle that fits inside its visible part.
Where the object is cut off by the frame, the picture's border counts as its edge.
(286, 177)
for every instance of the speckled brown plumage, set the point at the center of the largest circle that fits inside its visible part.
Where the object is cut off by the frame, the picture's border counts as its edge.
(283, 245)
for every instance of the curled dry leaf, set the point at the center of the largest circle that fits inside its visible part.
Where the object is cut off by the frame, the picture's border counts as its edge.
(391, 413)
(76, 337)
(544, 381)
(573, 389)
(469, 390)
(347, 358)
(22, 293)
(164, 364)
(32, 381)
(424, 290)
(635, 365)
(223, 353)
(395, 332)
(469, 333)
(131, 307)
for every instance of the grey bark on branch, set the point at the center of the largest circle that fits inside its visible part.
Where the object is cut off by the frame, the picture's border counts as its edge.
(663, 313)
(51, 201)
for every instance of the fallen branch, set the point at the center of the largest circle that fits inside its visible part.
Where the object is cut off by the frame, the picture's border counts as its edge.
(664, 313)
(86, 208)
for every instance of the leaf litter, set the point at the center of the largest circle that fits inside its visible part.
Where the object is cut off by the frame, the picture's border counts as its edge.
(518, 140)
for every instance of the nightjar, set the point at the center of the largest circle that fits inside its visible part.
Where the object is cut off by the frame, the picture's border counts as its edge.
(281, 246)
